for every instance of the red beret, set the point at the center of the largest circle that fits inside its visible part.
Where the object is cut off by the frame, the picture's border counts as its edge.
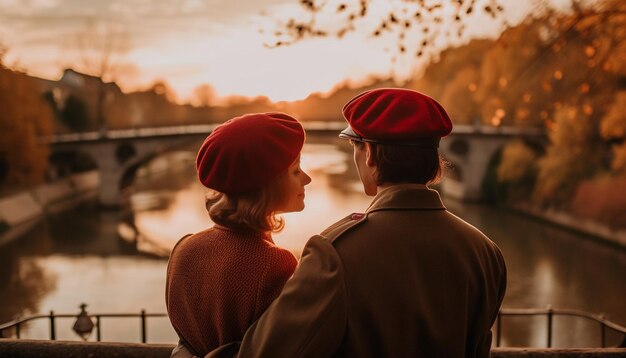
(247, 153)
(396, 116)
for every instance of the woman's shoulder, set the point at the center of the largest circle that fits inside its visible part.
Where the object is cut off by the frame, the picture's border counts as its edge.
(282, 258)
(192, 241)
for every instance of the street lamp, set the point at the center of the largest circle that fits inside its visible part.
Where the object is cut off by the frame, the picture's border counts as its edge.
(83, 325)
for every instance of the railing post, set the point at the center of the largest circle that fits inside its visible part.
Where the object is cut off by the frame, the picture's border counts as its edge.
(17, 330)
(550, 314)
(602, 334)
(53, 335)
(143, 326)
(98, 328)
(602, 331)
(499, 329)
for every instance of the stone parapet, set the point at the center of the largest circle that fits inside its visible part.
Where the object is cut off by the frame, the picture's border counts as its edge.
(25, 348)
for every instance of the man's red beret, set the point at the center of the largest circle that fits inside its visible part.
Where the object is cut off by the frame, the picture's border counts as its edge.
(247, 153)
(396, 116)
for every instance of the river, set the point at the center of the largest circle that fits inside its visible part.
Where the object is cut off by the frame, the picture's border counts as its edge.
(77, 256)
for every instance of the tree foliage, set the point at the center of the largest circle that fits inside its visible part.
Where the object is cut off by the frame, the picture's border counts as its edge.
(204, 95)
(433, 21)
(575, 154)
(613, 129)
(24, 119)
(75, 114)
(565, 73)
(518, 161)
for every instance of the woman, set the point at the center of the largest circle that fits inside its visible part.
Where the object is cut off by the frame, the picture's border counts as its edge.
(219, 281)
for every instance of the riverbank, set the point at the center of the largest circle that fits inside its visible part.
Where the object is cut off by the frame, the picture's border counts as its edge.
(455, 190)
(568, 221)
(21, 211)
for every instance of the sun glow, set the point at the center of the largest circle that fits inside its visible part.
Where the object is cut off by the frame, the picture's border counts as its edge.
(238, 63)
(188, 43)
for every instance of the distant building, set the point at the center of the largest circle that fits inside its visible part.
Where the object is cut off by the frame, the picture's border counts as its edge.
(89, 94)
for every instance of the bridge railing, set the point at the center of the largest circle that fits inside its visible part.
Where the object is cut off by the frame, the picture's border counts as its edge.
(147, 132)
(84, 322)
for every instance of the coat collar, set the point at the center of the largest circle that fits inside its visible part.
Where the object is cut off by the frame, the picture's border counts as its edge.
(406, 197)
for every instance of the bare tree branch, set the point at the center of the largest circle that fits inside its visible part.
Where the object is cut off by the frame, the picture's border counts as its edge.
(429, 19)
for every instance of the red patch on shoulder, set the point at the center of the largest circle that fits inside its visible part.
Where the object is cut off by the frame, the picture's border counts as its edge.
(357, 216)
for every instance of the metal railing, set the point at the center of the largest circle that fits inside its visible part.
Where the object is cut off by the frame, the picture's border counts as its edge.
(84, 330)
(550, 312)
(84, 333)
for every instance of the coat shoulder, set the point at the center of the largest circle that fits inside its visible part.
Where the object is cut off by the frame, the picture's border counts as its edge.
(336, 230)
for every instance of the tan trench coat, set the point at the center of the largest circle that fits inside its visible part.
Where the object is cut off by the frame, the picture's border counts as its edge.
(405, 279)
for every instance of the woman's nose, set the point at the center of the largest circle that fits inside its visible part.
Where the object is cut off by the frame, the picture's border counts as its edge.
(307, 179)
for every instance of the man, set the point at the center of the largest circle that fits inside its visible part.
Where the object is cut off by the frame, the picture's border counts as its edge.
(404, 279)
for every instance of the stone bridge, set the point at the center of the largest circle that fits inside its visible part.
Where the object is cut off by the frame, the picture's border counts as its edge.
(470, 149)
(119, 153)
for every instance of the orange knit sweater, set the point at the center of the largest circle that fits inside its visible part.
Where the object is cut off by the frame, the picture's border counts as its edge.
(219, 281)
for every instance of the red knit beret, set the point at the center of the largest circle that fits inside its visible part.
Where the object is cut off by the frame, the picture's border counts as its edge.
(247, 153)
(396, 116)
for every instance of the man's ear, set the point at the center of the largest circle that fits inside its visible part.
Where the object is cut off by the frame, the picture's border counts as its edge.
(369, 155)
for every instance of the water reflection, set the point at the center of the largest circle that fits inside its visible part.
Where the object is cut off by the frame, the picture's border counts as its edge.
(24, 282)
(76, 257)
(551, 266)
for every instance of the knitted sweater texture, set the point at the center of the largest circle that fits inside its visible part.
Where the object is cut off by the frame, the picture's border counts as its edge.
(220, 281)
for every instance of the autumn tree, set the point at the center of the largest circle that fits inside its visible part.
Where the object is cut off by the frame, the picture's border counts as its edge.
(25, 119)
(565, 72)
(204, 95)
(613, 130)
(575, 153)
(75, 113)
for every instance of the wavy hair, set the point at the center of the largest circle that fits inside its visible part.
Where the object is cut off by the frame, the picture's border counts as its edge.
(255, 210)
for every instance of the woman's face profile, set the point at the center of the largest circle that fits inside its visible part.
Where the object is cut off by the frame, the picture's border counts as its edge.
(294, 181)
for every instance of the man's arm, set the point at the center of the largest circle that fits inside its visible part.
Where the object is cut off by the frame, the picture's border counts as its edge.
(308, 319)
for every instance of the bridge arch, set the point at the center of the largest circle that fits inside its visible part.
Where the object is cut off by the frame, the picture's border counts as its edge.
(129, 171)
(118, 159)
(63, 162)
(470, 156)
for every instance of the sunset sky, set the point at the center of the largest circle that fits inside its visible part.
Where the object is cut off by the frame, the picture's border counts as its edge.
(191, 42)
